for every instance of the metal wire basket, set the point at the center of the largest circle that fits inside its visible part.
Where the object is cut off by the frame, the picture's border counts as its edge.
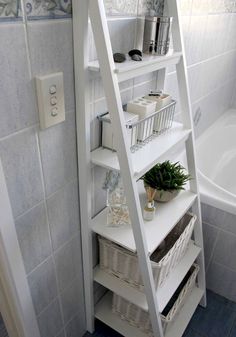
(143, 131)
(152, 126)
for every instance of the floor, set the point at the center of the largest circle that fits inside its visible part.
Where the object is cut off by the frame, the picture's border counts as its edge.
(217, 320)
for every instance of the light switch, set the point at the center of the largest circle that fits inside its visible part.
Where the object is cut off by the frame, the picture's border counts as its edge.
(51, 102)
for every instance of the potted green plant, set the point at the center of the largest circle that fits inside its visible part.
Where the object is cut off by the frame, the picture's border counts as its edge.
(167, 178)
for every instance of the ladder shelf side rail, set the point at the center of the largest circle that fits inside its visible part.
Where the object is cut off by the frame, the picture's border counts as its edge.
(81, 55)
(111, 87)
(181, 70)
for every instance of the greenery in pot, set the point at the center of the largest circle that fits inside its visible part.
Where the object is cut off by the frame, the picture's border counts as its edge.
(167, 179)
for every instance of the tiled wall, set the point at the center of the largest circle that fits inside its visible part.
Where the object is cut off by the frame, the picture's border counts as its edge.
(40, 166)
(220, 250)
(209, 29)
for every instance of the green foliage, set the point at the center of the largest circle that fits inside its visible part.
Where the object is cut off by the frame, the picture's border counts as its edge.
(166, 176)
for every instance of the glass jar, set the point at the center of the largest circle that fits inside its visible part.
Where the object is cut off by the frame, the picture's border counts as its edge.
(118, 212)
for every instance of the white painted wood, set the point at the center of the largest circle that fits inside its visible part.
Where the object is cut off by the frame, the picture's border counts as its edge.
(183, 84)
(7, 314)
(111, 87)
(103, 313)
(131, 69)
(177, 328)
(13, 281)
(161, 76)
(81, 56)
(155, 230)
(154, 151)
(163, 294)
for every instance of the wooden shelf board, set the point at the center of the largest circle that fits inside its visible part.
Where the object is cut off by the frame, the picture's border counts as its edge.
(104, 313)
(130, 69)
(153, 152)
(164, 293)
(155, 230)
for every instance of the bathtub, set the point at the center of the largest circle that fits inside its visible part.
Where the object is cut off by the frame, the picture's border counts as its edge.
(216, 161)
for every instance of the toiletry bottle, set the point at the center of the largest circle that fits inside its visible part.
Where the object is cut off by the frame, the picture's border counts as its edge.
(149, 211)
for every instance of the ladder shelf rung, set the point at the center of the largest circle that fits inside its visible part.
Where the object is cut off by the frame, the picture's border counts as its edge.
(164, 293)
(130, 69)
(153, 152)
(155, 230)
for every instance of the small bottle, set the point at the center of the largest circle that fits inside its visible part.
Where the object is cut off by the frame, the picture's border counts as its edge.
(149, 211)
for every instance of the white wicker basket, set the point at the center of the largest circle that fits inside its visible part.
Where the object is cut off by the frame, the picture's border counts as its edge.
(122, 263)
(139, 318)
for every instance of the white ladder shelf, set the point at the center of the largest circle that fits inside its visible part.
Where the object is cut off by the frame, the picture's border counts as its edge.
(142, 238)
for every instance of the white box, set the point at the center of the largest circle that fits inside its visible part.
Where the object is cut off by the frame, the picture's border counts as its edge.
(161, 101)
(143, 107)
(107, 133)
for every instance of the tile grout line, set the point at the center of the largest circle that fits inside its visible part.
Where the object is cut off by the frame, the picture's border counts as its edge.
(131, 87)
(74, 180)
(213, 251)
(58, 298)
(49, 232)
(53, 252)
(226, 267)
(219, 228)
(213, 91)
(30, 127)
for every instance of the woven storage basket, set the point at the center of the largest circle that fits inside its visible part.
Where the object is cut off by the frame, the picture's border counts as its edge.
(122, 263)
(139, 318)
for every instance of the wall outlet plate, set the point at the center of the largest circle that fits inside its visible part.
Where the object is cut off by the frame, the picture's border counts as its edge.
(51, 102)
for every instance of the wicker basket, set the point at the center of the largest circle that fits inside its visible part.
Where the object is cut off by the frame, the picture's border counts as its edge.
(139, 318)
(122, 263)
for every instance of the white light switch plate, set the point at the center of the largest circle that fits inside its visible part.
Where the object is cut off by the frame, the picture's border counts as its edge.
(51, 102)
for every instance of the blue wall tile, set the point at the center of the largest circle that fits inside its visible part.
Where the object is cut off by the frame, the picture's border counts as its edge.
(48, 9)
(10, 10)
